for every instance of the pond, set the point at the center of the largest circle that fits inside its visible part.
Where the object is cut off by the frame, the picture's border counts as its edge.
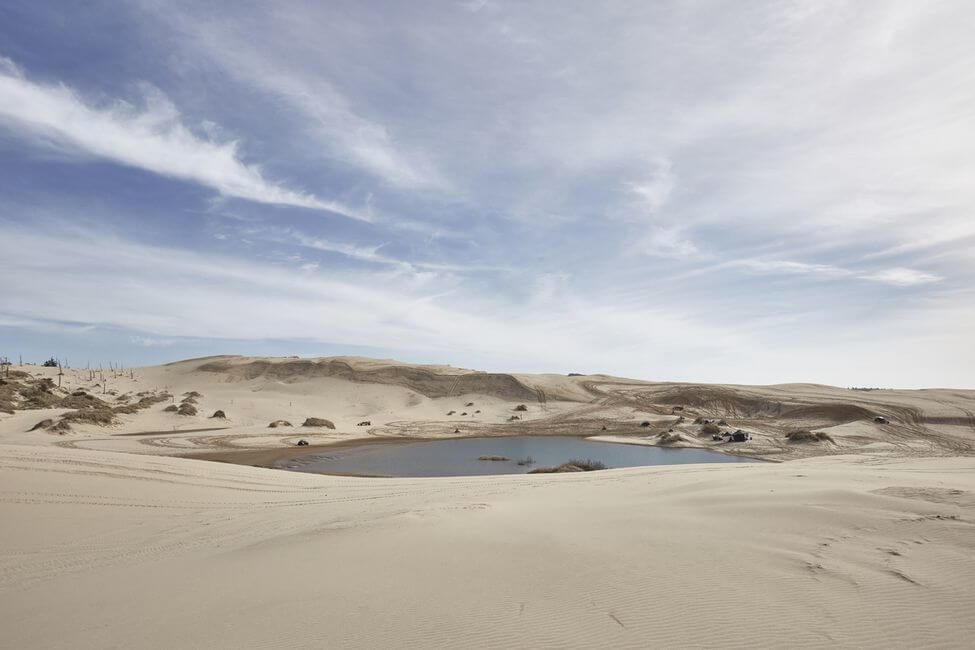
(461, 456)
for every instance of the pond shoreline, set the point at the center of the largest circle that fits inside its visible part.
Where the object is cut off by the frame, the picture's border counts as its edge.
(303, 457)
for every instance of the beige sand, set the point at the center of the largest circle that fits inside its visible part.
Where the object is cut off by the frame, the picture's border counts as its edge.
(401, 400)
(103, 549)
(866, 541)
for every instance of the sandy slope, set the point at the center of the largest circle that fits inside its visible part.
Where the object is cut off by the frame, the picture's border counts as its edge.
(862, 541)
(101, 549)
(401, 400)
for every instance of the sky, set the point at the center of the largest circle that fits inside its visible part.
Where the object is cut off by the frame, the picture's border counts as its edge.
(705, 191)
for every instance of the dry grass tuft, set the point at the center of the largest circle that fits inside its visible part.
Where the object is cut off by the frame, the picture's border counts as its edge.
(81, 400)
(668, 438)
(39, 396)
(574, 465)
(186, 409)
(143, 403)
(802, 435)
(555, 470)
(99, 416)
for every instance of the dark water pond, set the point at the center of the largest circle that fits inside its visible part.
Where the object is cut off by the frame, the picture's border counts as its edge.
(460, 456)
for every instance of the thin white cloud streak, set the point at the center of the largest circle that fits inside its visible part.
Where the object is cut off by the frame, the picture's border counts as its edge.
(151, 341)
(901, 277)
(360, 253)
(788, 267)
(897, 276)
(153, 139)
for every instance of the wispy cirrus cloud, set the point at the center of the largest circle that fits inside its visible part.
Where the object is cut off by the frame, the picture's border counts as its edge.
(388, 309)
(670, 242)
(370, 254)
(556, 326)
(537, 178)
(902, 277)
(896, 276)
(153, 138)
(655, 190)
(151, 341)
(789, 267)
(326, 113)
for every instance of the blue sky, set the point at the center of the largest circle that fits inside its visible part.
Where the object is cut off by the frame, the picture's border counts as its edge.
(701, 191)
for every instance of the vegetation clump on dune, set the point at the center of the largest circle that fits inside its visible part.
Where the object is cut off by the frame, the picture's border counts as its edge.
(668, 438)
(279, 423)
(802, 435)
(710, 429)
(318, 422)
(7, 394)
(144, 402)
(39, 395)
(186, 409)
(100, 416)
(219, 414)
(43, 424)
(521, 407)
(172, 408)
(81, 400)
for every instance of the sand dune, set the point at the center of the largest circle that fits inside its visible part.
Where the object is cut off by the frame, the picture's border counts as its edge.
(105, 549)
(864, 538)
(403, 400)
